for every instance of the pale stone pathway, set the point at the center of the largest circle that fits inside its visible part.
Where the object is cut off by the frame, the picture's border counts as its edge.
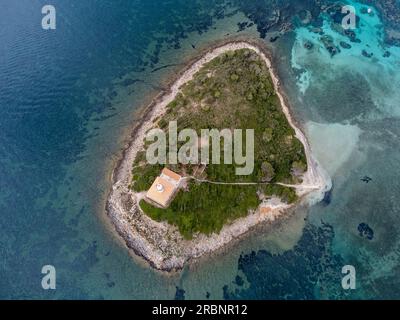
(254, 183)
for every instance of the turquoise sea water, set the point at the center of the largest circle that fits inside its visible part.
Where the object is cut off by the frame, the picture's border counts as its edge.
(67, 101)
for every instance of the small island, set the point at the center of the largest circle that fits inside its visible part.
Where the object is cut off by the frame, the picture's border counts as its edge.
(170, 213)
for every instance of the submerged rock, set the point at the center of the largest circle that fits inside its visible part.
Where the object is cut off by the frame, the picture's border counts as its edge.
(329, 45)
(345, 45)
(365, 231)
(273, 39)
(327, 197)
(317, 30)
(308, 45)
(179, 294)
(242, 26)
(352, 36)
(305, 16)
(299, 273)
(366, 54)
(239, 281)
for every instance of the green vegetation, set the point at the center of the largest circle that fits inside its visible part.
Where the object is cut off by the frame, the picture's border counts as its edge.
(232, 91)
(198, 209)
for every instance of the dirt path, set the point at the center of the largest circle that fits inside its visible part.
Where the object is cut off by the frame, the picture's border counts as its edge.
(295, 186)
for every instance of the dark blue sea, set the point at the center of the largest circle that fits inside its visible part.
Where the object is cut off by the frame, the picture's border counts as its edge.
(68, 99)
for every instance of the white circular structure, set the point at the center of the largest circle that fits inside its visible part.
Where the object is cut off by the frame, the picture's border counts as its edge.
(159, 187)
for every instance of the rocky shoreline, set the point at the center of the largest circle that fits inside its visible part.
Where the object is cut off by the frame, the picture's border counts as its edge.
(161, 244)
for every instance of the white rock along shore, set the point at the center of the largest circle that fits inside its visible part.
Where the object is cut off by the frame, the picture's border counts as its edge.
(160, 243)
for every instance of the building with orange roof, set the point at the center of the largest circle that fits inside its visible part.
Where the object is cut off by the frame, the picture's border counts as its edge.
(170, 175)
(164, 188)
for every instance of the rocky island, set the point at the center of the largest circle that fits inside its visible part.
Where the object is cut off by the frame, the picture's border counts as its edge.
(171, 213)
